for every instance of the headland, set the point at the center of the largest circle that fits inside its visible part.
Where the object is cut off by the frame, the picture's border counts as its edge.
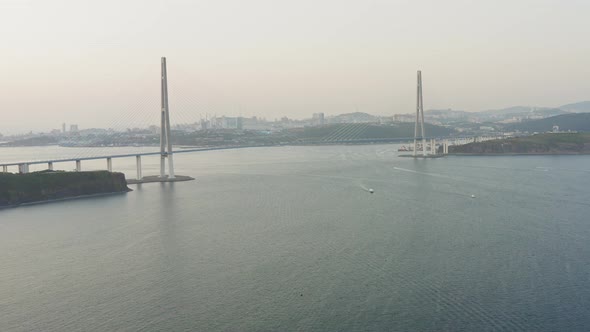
(539, 144)
(44, 186)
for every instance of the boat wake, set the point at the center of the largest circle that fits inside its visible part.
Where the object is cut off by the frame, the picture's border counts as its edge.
(417, 172)
(369, 190)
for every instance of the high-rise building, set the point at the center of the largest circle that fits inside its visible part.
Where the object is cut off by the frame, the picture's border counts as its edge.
(74, 128)
(318, 119)
(63, 127)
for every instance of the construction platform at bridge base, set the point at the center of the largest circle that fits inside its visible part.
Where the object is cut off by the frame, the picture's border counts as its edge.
(419, 156)
(155, 178)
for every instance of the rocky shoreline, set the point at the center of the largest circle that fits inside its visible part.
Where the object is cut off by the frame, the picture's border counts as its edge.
(50, 186)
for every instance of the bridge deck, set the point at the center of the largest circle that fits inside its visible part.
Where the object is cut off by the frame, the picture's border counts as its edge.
(127, 155)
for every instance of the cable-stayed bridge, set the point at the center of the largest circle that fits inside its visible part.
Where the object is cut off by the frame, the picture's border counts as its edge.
(352, 133)
(166, 152)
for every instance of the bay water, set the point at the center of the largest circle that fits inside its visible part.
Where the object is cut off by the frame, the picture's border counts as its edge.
(290, 238)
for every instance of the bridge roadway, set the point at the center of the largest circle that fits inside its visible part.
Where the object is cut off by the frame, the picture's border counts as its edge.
(127, 155)
(24, 165)
(313, 142)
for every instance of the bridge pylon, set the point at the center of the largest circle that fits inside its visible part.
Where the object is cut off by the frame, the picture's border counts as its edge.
(165, 141)
(419, 117)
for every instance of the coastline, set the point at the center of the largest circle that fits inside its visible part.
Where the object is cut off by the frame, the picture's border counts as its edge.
(51, 186)
(2, 207)
(420, 156)
(523, 154)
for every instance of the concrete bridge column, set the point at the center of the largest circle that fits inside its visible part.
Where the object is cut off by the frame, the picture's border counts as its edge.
(4, 169)
(138, 159)
(110, 164)
(78, 165)
(23, 168)
(50, 166)
(162, 165)
(434, 146)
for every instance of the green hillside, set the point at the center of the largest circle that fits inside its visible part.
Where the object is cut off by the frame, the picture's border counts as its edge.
(583, 106)
(573, 122)
(367, 131)
(49, 185)
(564, 143)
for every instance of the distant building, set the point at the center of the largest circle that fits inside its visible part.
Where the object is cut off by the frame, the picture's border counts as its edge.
(255, 123)
(317, 119)
(225, 122)
(230, 123)
(154, 129)
(486, 128)
(404, 117)
(555, 129)
(74, 128)
(63, 127)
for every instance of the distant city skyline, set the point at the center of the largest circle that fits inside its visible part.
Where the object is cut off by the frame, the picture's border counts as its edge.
(96, 64)
(312, 119)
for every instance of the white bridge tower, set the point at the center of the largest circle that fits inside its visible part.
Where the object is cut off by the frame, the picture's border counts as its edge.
(165, 142)
(419, 117)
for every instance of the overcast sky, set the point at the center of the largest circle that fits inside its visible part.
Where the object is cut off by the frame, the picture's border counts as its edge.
(96, 63)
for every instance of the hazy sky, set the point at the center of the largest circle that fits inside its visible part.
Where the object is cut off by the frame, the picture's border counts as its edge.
(96, 63)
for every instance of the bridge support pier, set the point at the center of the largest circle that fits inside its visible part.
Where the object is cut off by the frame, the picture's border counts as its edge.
(170, 166)
(4, 169)
(433, 146)
(23, 168)
(138, 160)
(78, 165)
(50, 166)
(110, 164)
(162, 166)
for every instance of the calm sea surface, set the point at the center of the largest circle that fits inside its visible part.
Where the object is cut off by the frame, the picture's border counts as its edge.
(289, 238)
